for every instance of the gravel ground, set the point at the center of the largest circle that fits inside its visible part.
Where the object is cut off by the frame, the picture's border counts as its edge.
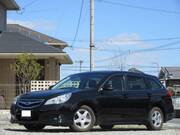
(171, 128)
(119, 130)
(4, 115)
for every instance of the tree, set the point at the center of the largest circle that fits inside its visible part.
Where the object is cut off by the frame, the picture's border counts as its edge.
(26, 69)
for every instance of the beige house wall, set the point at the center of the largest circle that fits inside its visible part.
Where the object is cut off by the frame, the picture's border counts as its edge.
(7, 82)
(8, 78)
(52, 69)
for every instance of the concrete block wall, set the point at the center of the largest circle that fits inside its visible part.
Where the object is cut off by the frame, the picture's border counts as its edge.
(37, 85)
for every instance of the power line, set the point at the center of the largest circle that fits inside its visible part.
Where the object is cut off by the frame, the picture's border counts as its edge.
(97, 49)
(78, 24)
(124, 41)
(70, 69)
(110, 50)
(131, 52)
(23, 9)
(159, 47)
(42, 10)
(138, 7)
(148, 40)
(30, 3)
(113, 66)
(140, 51)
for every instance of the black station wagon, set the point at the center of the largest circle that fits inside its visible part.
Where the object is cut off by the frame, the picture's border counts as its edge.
(104, 98)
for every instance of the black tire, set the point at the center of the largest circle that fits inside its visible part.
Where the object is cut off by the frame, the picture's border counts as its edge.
(34, 127)
(106, 127)
(76, 126)
(155, 123)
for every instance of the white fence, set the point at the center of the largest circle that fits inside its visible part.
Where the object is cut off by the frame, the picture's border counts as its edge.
(42, 85)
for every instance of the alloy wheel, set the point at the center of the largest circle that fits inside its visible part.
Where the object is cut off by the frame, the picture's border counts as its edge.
(156, 118)
(82, 118)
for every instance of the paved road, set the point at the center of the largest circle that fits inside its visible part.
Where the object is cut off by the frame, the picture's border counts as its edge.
(175, 123)
(119, 130)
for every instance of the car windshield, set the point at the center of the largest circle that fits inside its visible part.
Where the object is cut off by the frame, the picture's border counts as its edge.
(79, 82)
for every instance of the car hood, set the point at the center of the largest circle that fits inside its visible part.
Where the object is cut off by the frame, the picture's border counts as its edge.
(47, 93)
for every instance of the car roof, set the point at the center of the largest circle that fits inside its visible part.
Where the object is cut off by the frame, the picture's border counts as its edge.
(114, 72)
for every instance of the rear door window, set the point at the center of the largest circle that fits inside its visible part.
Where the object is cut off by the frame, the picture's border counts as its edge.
(135, 83)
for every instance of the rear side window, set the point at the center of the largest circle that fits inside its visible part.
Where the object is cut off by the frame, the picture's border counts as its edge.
(135, 83)
(154, 84)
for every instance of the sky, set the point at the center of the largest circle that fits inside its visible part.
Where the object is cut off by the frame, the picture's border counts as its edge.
(144, 34)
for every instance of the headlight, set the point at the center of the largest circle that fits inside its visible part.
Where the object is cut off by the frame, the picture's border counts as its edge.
(59, 99)
(15, 100)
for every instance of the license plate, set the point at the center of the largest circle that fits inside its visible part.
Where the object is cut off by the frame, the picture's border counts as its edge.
(26, 113)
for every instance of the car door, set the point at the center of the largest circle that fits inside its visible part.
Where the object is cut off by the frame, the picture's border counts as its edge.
(110, 101)
(137, 98)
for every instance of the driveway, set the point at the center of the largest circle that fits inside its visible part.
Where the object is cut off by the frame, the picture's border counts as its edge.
(175, 123)
(118, 130)
(170, 128)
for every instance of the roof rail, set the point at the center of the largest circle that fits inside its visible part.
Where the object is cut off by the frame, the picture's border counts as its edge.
(134, 70)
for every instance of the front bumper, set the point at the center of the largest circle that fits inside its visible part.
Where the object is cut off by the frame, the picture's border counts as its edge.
(55, 115)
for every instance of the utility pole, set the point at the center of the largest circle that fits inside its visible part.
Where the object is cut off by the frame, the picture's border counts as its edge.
(80, 64)
(91, 34)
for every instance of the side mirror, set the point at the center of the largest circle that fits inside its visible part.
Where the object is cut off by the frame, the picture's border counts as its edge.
(50, 87)
(108, 87)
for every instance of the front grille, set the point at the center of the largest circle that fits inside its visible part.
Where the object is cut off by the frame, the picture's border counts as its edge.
(29, 103)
